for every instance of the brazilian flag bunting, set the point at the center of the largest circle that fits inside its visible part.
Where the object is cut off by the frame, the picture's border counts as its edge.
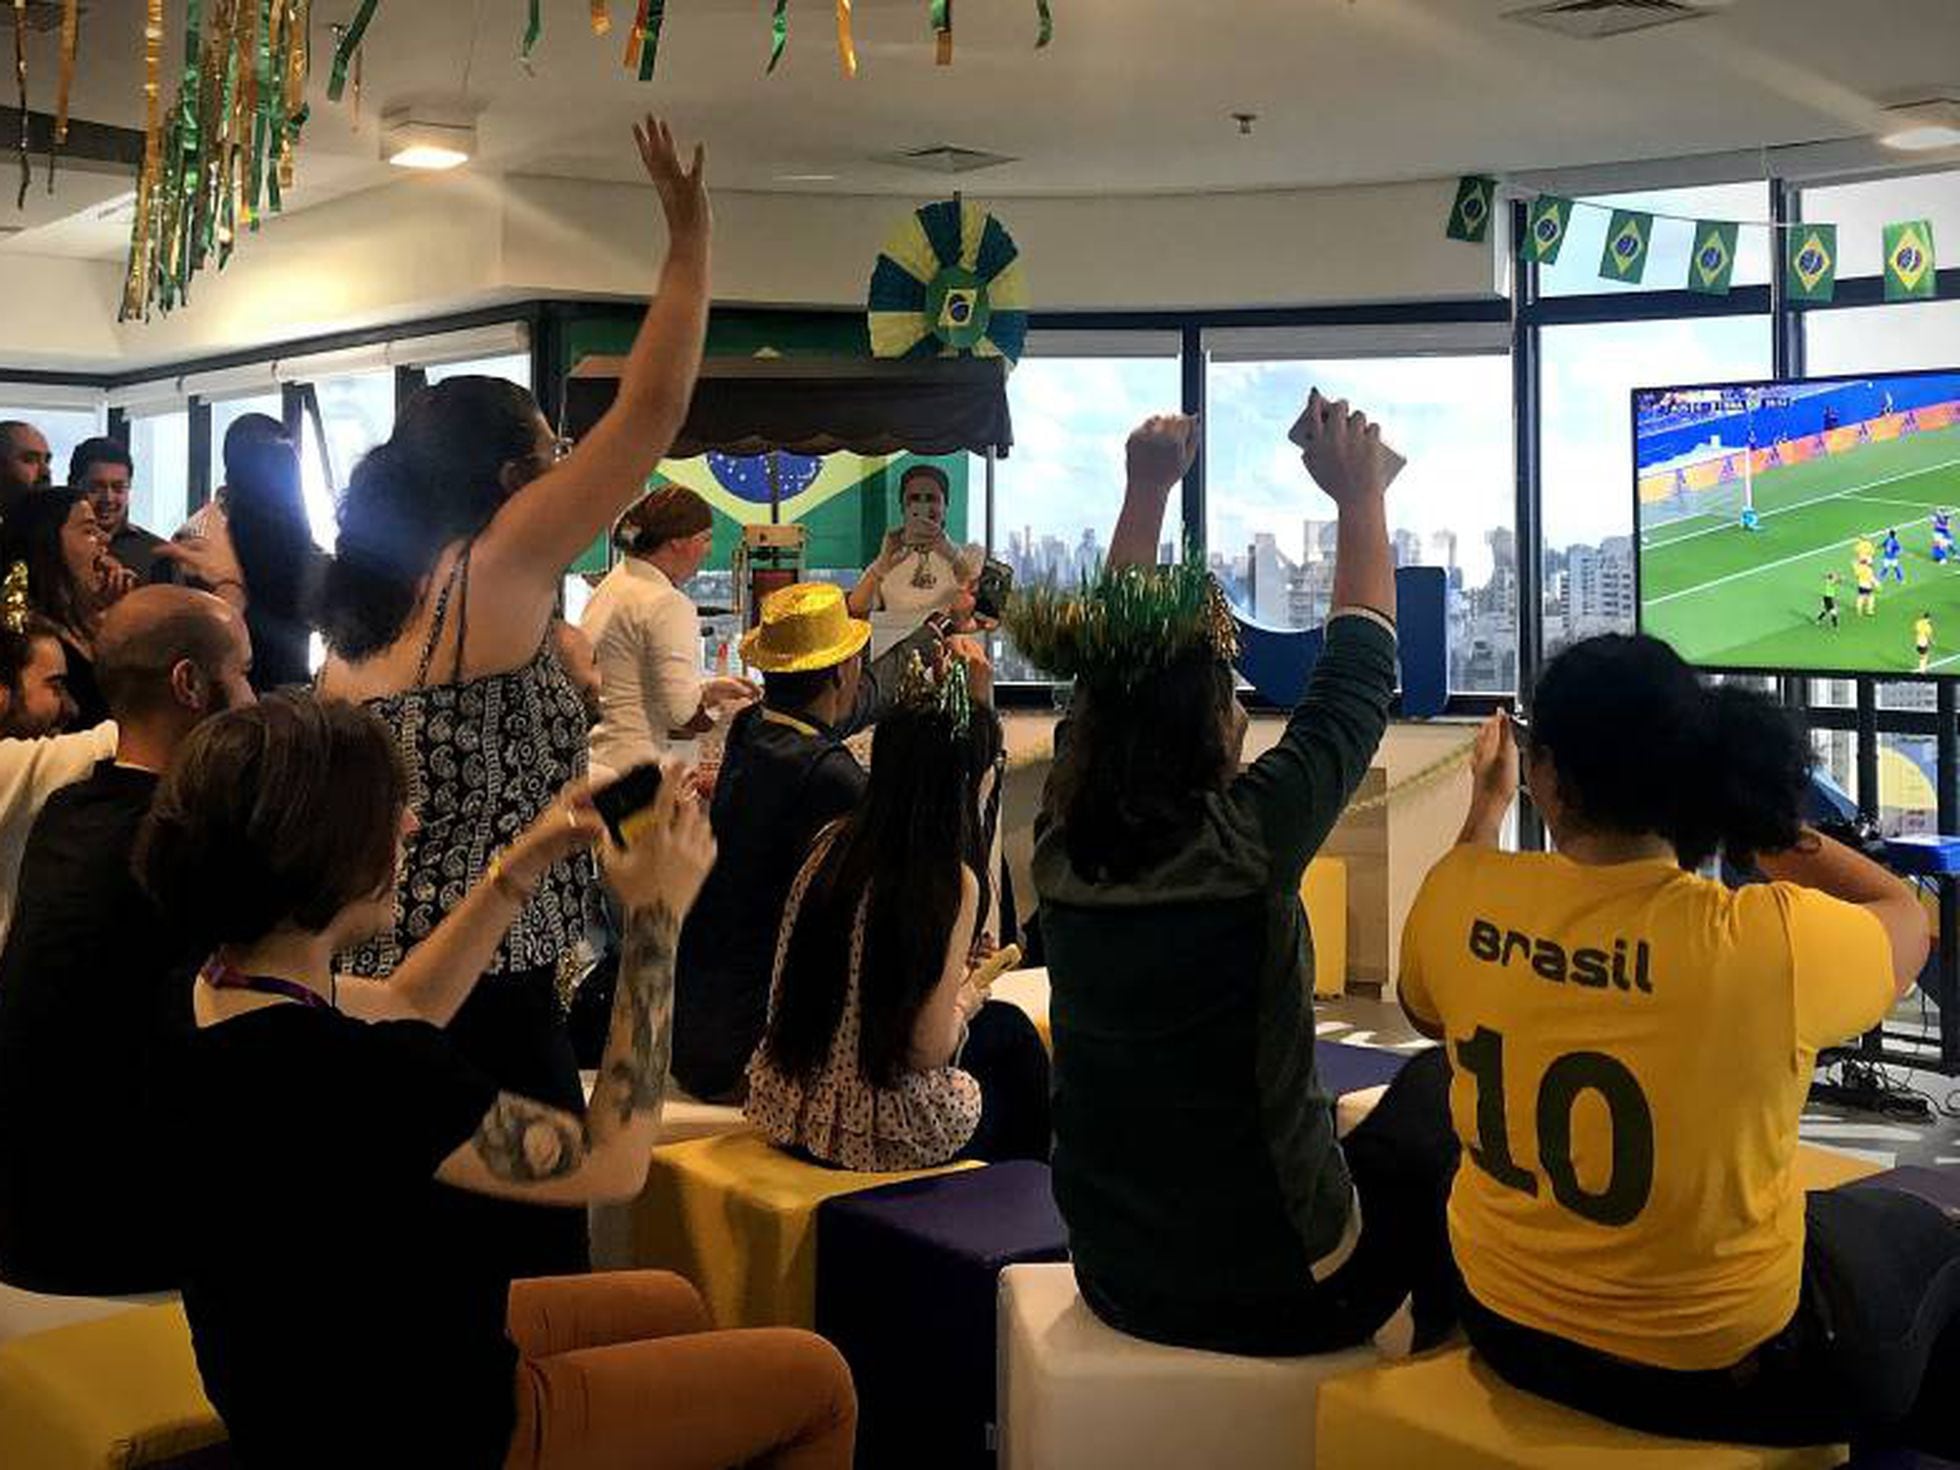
(1545, 229)
(1810, 263)
(1713, 266)
(1476, 198)
(1911, 268)
(1627, 239)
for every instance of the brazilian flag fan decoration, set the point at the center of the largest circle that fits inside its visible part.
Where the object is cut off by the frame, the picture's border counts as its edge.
(949, 285)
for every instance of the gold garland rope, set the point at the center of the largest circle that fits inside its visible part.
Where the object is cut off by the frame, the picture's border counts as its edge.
(1430, 775)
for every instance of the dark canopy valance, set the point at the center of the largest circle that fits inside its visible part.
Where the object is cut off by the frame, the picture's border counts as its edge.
(751, 405)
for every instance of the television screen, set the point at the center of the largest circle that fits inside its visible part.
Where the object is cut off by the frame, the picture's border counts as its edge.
(1804, 526)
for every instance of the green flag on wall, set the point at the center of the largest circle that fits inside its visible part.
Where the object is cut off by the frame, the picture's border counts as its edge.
(1627, 239)
(1713, 266)
(1911, 268)
(1545, 229)
(1476, 199)
(1810, 262)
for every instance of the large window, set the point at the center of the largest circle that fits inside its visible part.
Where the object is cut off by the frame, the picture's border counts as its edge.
(1861, 212)
(516, 366)
(63, 428)
(1272, 531)
(1586, 450)
(1676, 211)
(1056, 496)
(160, 443)
(357, 412)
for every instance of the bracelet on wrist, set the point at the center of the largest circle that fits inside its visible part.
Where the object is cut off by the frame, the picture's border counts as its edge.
(508, 884)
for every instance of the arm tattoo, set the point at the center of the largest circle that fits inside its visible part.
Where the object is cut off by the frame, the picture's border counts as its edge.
(642, 1039)
(528, 1143)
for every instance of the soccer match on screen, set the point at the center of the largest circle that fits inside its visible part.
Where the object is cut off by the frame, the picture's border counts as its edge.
(1803, 525)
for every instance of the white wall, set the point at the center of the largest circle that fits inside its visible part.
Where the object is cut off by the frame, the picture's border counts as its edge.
(430, 245)
(1305, 247)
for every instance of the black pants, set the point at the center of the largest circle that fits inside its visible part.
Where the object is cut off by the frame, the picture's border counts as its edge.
(1006, 1056)
(512, 1030)
(1872, 1355)
(1403, 1157)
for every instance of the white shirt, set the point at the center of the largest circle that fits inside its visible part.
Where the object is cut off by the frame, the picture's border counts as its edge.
(923, 583)
(30, 772)
(648, 638)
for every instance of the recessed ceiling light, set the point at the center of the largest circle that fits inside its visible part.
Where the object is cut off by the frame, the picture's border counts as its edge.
(1923, 126)
(410, 140)
(806, 178)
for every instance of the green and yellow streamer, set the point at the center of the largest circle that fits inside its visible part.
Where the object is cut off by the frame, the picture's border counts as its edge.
(350, 42)
(779, 34)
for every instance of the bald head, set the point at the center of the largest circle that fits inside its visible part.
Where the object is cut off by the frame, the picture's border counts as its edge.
(25, 463)
(171, 652)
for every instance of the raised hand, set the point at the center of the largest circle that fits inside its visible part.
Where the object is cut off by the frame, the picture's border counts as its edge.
(670, 855)
(1344, 452)
(568, 825)
(1160, 450)
(683, 191)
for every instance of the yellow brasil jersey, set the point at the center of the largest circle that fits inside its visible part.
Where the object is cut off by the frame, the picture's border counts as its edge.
(1867, 580)
(1864, 552)
(1630, 1048)
(1923, 631)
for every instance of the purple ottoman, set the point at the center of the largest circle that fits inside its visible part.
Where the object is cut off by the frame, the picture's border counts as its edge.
(907, 1288)
(1343, 1069)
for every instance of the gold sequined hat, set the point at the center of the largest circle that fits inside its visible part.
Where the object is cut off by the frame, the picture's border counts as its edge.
(804, 628)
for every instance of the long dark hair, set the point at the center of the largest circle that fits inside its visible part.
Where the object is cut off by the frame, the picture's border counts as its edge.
(1641, 745)
(903, 849)
(33, 535)
(1139, 759)
(267, 514)
(437, 478)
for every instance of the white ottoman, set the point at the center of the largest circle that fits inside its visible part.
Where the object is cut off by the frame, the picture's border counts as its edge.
(1078, 1395)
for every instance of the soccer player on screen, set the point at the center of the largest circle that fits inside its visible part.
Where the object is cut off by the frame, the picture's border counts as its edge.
(1942, 536)
(1863, 553)
(1889, 559)
(1867, 590)
(1830, 609)
(1922, 637)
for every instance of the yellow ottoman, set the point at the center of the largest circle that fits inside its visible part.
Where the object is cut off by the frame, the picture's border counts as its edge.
(1028, 990)
(1448, 1409)
(1324, 891)
(737, 1217)
(121, 1391)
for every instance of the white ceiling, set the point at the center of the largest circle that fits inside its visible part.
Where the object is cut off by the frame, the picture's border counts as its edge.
(1134, 96)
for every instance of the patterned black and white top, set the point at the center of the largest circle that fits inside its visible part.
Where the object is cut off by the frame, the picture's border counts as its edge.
(484, 757)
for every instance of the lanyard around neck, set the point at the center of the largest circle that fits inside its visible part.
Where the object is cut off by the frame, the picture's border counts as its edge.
(221, 976)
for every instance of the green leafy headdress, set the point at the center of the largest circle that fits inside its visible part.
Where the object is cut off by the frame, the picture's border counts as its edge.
(1126, 625)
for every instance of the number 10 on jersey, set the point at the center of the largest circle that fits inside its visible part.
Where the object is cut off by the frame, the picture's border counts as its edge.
(1631, 1181)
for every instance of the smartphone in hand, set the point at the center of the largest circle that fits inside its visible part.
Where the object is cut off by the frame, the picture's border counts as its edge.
(627, 804)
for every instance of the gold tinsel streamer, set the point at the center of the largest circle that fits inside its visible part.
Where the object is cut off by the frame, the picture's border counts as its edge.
(601, 18)
(636, 34)
(846, 47)
(71, 31)
(219, 157)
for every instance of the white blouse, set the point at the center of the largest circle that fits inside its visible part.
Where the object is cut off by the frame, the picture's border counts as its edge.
(648, 639)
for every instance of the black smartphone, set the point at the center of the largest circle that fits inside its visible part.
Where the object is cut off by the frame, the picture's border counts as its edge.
(995, 586)
(628, 797)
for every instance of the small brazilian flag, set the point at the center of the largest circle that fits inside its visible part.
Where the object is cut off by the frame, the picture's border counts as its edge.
(1713, 265)
(1545, 229)
(1911, 269)
(1810, 262)
(1476, 198)
(1627, 238)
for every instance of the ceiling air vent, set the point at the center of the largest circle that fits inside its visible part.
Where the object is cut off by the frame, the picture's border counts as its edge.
(1595, 20)
(944, 158)
(45, 15)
